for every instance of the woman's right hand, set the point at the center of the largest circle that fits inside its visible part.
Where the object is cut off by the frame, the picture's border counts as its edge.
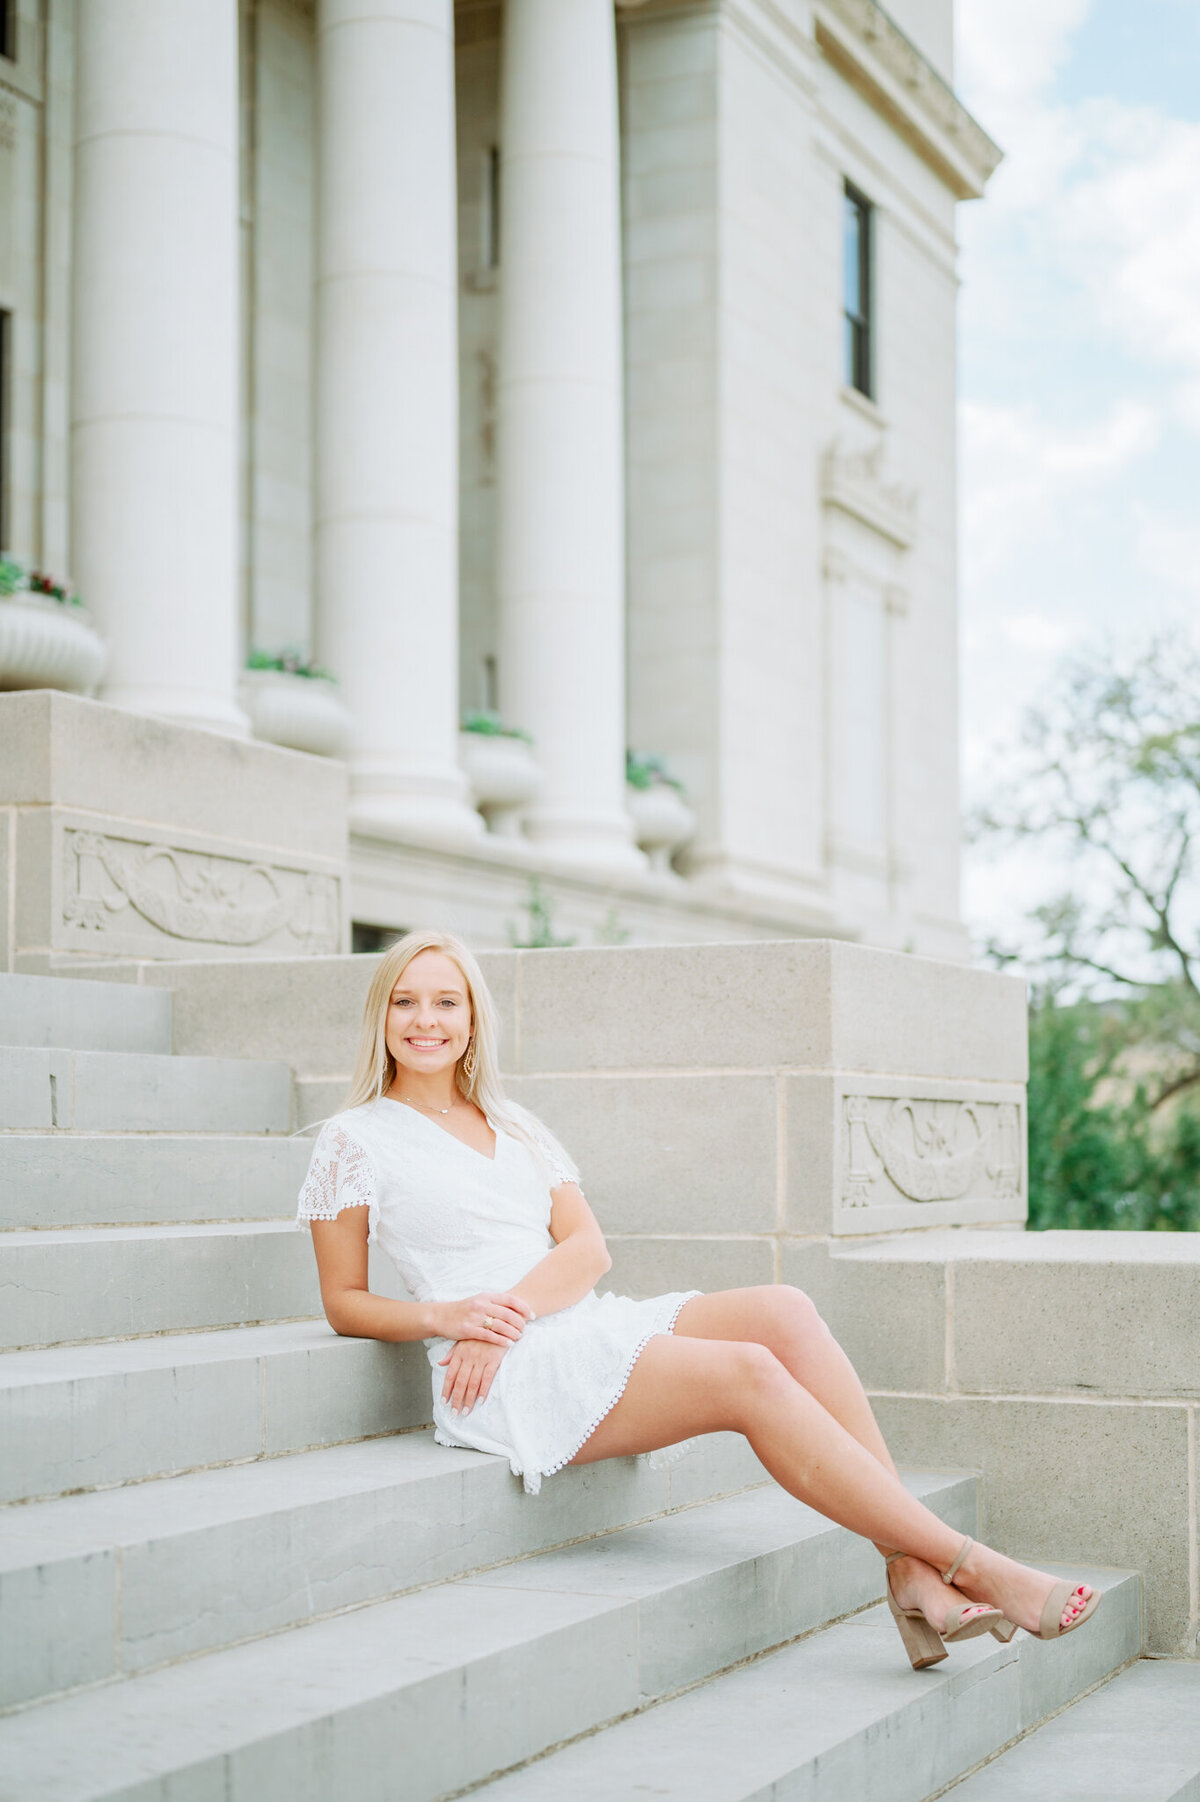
(507, 1314)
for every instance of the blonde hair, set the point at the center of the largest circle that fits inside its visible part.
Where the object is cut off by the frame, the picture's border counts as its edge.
(478, 1071)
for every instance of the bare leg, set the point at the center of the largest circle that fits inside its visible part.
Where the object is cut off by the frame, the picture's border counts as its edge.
(684, 1386)
(783, 1319)
(788, 1324)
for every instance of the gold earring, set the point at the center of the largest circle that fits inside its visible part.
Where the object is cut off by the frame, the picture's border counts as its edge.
(468, 1062)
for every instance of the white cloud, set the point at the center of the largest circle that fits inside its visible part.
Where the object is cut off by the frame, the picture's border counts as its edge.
(1009, 51)
(1018, 468)
(1187, 406)
(1111, 190)
(1170, 549)
(1039, 633)
(1134, 219)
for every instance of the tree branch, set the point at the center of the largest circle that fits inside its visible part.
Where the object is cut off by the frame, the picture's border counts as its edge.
(1176, 1086)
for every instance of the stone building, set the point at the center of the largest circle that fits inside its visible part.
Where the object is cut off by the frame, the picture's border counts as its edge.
(590, 372)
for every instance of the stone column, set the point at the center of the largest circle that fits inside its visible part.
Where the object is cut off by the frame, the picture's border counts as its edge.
(387, 407)
(154, 423)
(560, 462)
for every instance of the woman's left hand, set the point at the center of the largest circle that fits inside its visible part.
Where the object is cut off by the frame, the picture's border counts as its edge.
(471, 1369)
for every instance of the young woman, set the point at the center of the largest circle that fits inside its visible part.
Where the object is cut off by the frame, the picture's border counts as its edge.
(481, 1211)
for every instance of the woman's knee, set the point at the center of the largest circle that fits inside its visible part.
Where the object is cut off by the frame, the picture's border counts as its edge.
(792, 1312)
(752, 1377)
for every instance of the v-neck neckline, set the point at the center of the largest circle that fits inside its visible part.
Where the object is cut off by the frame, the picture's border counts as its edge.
(447, 1134)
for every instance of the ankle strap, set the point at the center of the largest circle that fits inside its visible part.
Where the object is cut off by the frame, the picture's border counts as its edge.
(948, 1576)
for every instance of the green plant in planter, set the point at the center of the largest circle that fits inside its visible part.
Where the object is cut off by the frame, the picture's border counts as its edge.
(16, 579)
(610, 930)
(490, 725)
(292, 663)
(540, 934)
(643, 771)
(50, 590)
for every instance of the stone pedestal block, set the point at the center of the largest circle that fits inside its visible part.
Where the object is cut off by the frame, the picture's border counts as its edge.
(128, 838)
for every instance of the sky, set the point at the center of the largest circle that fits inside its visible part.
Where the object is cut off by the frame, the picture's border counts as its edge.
(1079, 374)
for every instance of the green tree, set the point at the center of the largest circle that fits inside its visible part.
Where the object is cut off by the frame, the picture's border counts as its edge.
(1100, 1153)
(1079, 1166)
(1109, 772)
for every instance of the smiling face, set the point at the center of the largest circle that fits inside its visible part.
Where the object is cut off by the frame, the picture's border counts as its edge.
(429, 1017)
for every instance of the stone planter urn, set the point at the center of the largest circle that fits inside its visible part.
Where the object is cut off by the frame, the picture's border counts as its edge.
(301, 712)
(662, 821)
(504, 778)
(44, 644)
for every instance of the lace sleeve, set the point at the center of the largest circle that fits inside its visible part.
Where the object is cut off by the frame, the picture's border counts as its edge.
(340, 1175)
(561, 1168)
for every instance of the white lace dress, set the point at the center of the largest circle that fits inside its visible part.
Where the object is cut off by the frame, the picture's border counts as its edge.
(457, 1223)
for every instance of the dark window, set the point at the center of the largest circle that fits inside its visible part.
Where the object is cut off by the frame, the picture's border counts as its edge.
(364, 937)
(8, 29)
(858, 354)
(5, 436)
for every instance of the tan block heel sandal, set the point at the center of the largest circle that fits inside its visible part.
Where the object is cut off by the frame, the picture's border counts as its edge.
(923, 1643)
(1002, 1628)
(1049, 1626)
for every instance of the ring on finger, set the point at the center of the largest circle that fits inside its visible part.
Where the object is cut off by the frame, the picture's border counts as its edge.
(489, 1321)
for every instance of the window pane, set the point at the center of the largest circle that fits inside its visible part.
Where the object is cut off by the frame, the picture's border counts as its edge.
(853, 246)
(857, 300)
(850, 353)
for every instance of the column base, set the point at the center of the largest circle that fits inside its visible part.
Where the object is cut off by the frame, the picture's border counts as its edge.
(413, 804)
(600, 843)
(182, 706)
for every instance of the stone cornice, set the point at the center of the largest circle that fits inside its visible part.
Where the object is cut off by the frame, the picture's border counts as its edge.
(874, 54)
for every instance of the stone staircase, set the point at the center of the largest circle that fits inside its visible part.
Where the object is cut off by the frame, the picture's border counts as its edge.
(233, 1566)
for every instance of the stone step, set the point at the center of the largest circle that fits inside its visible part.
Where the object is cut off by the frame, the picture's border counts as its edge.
(115, 1179)
(74, 1284)
(86, 1016)
(118, 1581)
(87, 1416)
(840, 1717)
(1135, 1740)
(436, 1690)
(127, 1091)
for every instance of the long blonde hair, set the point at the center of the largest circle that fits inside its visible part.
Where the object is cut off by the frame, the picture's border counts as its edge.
(478, 1071)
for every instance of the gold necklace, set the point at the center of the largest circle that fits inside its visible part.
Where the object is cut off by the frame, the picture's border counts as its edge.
(425, 1107)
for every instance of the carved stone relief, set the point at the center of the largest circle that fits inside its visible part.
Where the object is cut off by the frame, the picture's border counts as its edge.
(921, 1150)
(853, 480)
(196, 897)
